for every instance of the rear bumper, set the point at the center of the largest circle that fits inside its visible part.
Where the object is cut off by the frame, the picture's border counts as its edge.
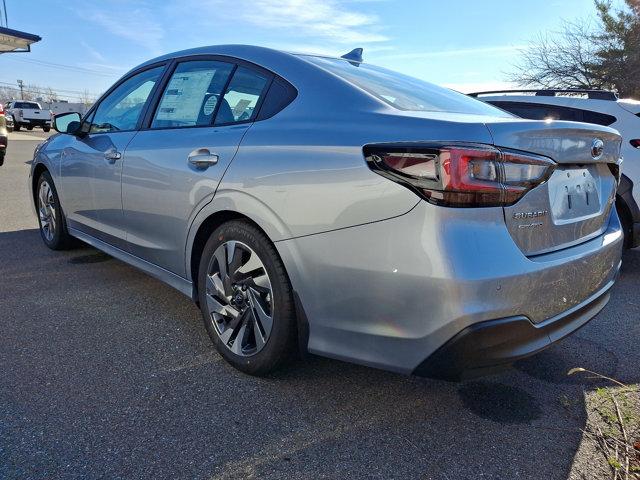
(34, 122)
(485, 345)
(390, 294)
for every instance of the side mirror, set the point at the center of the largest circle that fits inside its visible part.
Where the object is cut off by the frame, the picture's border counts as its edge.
(67, 123)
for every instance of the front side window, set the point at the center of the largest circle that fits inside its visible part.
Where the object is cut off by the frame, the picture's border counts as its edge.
(192, 94)
(122, 108)
(404, 92)
(241, 97)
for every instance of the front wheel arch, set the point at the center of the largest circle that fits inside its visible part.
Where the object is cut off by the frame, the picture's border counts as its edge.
(37, 173)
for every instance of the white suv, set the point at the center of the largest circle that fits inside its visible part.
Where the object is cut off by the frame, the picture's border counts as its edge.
(588, 106)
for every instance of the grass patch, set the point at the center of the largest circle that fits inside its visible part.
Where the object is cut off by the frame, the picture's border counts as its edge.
(613, 423)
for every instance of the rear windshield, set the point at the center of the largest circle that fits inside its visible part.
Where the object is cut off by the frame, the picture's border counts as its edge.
(26, 105)
(404, 92)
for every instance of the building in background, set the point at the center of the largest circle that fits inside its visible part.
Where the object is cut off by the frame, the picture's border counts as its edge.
(63, 106)
(14, 41)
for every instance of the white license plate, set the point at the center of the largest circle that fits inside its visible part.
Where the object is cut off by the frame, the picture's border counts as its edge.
(573, 193)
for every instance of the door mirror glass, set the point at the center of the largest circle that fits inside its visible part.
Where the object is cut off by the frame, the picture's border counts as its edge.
(67, 122)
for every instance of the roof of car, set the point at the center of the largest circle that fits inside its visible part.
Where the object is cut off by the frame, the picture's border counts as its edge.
(294, 67)
(263, 56)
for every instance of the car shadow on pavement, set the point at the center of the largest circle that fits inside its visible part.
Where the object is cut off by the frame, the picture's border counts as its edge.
(110, 373)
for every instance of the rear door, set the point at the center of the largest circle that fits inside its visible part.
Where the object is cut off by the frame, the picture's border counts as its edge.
(172, 168)
(575, 203)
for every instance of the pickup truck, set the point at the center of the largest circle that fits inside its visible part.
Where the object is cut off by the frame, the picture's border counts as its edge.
(28, 115)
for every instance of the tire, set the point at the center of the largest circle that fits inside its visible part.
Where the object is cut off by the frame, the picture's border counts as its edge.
(46, 129)
(53, 226)
(626, 222)
(236, 308)
(2, 158)
(16, 127)
(30, 127)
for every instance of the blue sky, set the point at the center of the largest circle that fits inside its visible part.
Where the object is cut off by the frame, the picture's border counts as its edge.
(464, 44)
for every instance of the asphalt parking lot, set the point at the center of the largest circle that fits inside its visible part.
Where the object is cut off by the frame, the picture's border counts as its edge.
(107, 373)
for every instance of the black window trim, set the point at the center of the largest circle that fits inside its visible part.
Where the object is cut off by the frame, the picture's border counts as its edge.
(130, 75)
(148, 111)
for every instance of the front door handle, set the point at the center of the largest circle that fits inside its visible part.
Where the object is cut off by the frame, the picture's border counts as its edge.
(112, 155)
(202, 158)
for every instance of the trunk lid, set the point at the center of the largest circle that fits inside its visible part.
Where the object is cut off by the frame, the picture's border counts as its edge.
(574, 204)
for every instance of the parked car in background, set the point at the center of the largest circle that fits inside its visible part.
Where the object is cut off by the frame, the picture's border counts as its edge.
(4, 135)
(327, 204)
(590, 106)
(9, 122)
(29, 115)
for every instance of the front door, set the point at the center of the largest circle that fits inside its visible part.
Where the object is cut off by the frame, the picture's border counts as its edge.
(91, 166)
(173, 168)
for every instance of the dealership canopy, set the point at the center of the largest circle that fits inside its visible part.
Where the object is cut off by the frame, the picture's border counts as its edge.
(15, 41)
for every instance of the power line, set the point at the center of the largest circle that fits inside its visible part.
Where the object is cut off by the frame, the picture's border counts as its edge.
(61, 66)
(82, 92)
(55, 93)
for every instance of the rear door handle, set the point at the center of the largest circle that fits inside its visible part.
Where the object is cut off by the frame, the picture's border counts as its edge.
(202, 158)
(112, 155)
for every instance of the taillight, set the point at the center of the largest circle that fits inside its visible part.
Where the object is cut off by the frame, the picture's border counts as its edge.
(1, 109)
(635, 143)
(461, 175)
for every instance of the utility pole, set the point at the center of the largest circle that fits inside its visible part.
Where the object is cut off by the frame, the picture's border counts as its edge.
(3, 13)
(20, 85)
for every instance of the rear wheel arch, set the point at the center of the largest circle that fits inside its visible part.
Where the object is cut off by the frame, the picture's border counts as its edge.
(202, 235)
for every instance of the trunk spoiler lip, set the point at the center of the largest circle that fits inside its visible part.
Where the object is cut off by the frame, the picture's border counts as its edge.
(538, 136)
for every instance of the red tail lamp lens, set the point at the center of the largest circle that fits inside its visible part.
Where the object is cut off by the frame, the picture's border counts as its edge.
(459, 175)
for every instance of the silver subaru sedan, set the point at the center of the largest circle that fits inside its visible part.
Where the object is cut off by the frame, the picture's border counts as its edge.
(325, 205)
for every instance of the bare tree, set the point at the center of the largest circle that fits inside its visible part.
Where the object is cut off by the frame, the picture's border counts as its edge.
(8, 93)
(32, 92)
(86, 98)
(49, 95)
(565, 59)
(602, 54)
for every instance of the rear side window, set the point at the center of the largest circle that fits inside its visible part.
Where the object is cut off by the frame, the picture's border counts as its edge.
(404, 92)
(280, 94)
(242, 96)
(192, 94)
(539, 111)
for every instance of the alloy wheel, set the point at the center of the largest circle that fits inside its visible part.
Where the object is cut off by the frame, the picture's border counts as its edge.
(239, 298)
(47, 211)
